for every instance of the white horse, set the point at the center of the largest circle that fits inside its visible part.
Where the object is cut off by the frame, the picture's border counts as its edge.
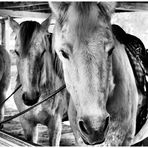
(97, 72)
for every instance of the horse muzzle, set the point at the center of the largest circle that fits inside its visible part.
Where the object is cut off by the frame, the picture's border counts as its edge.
(30, 100)
(92, 135)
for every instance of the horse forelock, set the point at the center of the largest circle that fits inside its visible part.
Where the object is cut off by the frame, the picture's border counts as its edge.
(28, 31)
(86, 17)
(83, 8)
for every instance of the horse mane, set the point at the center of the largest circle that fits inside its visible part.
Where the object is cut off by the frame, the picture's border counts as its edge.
(83, 8)
(27, 30)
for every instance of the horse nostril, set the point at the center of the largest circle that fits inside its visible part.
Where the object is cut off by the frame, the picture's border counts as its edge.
(106, 123)
(30, 99)
(24, 96)
(83, 127)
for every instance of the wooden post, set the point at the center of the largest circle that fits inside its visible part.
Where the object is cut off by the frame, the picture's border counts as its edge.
(3, 35)
(0, 32)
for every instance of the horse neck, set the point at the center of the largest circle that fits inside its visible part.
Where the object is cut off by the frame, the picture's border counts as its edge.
(121, 64)
(123, 94)
(122, 69)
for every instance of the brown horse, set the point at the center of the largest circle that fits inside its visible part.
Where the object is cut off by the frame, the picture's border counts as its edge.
(5, 65)
(39, 74)
(97, 73)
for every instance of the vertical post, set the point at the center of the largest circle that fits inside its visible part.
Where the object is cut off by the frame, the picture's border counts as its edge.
(3, 42)
(0, 32)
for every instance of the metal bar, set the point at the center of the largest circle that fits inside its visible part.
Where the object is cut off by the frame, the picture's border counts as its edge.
(30, 108)
(11, 94)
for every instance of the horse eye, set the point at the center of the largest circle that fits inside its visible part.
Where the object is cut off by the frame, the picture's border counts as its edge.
(17, 53)
(64, 54)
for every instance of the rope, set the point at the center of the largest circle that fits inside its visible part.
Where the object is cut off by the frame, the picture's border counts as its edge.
(11, 95)
(23, 112)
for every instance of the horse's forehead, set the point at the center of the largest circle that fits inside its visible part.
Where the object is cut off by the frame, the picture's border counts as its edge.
(33, 46)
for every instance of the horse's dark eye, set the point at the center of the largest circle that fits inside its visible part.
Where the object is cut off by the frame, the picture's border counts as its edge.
(64, 54)
(17, 53)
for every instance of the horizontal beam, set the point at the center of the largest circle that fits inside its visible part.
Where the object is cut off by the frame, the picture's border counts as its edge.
(121, 7)
(22, 5)
(22, 14)
(133, 6)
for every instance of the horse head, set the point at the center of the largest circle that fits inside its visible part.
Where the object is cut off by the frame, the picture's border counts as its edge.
(30, 47)
(84, 42)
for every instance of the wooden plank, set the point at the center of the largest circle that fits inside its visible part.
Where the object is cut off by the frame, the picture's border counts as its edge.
(9, 140)
(26, 6)
(117, 10)
(19, 5)
(132, 6)
(3, 35)
(6, 13)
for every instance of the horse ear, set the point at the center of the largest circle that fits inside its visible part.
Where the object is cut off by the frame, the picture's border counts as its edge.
(109, 7)
(45, 24)
(58, 7)
(13, 24)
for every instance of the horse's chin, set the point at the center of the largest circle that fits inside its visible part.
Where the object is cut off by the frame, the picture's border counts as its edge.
(88, 142)
(94, 143)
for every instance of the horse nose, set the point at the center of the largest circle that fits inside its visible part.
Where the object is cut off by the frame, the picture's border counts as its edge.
(30, 99)
(91, 134)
